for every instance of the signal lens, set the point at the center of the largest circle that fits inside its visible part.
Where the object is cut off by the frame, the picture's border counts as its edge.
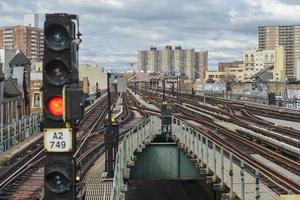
(57, 37)
(57, 182)
(57, 72)
(55, 106)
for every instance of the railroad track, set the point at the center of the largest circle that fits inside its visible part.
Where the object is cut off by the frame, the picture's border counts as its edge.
(18, 174)
(91, 139)
(286, 139)
(238, 146)
(264, 110)
(241, 146)
(280, 140)
(274, 111)
(92, 150)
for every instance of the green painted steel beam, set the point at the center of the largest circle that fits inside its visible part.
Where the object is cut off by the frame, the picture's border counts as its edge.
(163, 161)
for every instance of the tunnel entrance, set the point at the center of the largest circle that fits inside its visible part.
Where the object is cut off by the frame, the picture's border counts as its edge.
(163, 171)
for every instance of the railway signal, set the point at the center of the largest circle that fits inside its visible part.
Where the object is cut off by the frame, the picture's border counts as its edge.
(166, 117)
(111, 135)
(61, 115)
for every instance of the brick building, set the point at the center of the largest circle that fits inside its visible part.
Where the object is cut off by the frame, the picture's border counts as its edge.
(288, 36)
(223, 66)
(36, 96)
(15, 90)
(29, 38)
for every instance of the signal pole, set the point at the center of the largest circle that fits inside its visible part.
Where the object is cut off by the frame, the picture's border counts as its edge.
(177, 89)
(109, 98)
(111, 136)
(166, 117)
(173, 92)
(164, 89)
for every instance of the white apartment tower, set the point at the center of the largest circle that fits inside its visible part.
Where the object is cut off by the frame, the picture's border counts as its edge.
(179, 60)
(167, 62)
(142, 60)
(154, 60)
(31, 20)
(190, 63)
(171, 62)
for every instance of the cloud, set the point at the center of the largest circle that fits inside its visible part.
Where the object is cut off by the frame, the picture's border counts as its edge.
(114, 30)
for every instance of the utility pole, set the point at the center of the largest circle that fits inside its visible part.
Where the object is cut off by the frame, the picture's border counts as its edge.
(177, 89)
(164, 89)
(157, 87)
(109, 98)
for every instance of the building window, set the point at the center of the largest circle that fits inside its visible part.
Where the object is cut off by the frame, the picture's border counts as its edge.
(266, 57)
(36, 100)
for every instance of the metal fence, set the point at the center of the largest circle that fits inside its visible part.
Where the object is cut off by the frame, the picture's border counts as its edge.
(243, 179)
(251, 97)
(17, 131)
(135, 140)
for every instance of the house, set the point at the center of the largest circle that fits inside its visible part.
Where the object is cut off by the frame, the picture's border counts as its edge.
(21, 66)
(36, 101)
(15, 90)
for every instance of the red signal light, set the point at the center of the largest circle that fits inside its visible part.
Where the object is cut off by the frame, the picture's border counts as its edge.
(55, 106)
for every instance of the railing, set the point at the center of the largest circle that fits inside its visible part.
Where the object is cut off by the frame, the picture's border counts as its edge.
(242, 179)
(135, 140)
(254, 97)
(251, 97)
(19, 130)
(228, 169)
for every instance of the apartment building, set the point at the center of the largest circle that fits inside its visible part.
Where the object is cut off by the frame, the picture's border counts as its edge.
(154, 60)
(170, 61)
(142, 60)
(28, 38)
(272, 59)
(288, 37)
(167, 62)
(224, 66)
(269, 64)
(179, 59)
(190, 67)
(201, 62)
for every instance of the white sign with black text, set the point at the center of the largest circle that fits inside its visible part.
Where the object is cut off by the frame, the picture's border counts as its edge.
(58, 139)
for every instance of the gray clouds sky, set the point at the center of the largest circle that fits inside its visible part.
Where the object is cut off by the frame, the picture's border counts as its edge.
(114, 30)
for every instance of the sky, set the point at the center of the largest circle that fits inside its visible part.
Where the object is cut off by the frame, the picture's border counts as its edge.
(114, 30)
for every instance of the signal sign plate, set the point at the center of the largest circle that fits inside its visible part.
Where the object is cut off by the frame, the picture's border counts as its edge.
(58, 139)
